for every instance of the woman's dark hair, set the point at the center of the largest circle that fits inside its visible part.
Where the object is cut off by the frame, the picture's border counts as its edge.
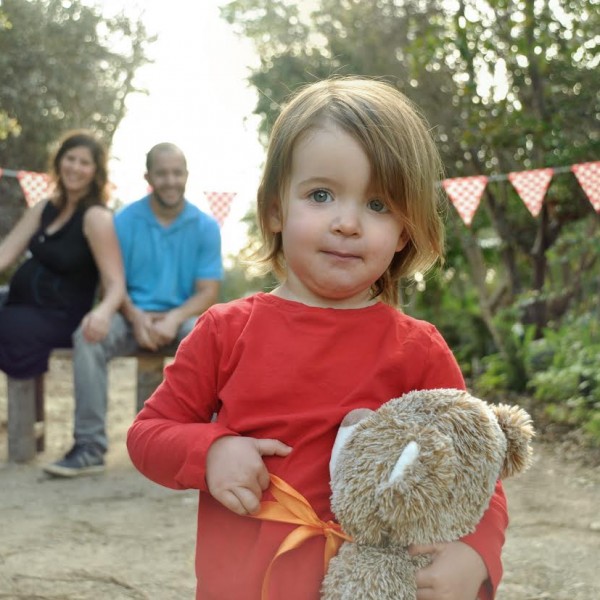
(98, 192)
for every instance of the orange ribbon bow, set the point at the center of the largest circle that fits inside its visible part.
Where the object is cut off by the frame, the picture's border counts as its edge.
(292, 507)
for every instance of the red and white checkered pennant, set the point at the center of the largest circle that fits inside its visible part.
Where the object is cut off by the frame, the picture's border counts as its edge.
(531, 187)
(220, 204)
(465, 193)
(35, 186)
(588, 175)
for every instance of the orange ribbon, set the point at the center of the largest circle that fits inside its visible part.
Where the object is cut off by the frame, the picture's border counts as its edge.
(292, 507)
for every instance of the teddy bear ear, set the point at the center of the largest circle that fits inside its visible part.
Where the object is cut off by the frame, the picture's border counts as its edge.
(433, 453)
(409, 455)
(518, 429)
(347, 427)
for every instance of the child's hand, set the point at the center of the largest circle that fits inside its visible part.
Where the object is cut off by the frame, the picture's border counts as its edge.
(456, 573)
(236, 475)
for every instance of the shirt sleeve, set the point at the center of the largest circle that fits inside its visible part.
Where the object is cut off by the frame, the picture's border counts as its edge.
(488, 538)
(170, 437)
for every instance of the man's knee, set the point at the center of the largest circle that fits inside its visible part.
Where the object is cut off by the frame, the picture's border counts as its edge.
(79, 340)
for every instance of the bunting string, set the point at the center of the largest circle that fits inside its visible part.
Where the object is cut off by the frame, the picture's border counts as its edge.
(465, 193)
(37, 186)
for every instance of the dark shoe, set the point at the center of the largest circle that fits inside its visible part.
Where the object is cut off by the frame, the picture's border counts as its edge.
(80, 460)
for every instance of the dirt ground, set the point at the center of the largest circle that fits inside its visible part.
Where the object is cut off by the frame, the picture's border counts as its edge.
(118, 536)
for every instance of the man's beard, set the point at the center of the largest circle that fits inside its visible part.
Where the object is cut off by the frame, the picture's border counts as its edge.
(167, 205)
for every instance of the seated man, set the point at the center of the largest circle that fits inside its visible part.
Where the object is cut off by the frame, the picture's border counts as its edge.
(172, 257)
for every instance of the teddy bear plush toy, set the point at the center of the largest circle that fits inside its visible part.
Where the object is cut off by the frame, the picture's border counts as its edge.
(421, 469)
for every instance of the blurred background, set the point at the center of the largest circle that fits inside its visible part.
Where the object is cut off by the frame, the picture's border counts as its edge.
(510, 89)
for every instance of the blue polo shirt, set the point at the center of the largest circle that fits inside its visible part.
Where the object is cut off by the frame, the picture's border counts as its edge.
(163, 264)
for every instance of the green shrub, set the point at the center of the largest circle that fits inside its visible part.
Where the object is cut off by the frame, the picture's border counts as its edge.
(568, 383)
(562, 371)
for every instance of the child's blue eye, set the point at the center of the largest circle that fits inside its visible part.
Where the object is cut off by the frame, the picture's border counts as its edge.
(378, 205)
(320, 196)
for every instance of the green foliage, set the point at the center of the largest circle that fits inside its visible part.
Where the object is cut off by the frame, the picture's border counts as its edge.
(446, 299)
(60, 70)
(561, 370)
(494, 378)
(569, 387)
(240, 281)
(8, 125)
(506, 370)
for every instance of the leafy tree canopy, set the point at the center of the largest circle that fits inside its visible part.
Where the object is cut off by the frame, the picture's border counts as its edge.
(505, 83)
(8, 125)
(64, 65)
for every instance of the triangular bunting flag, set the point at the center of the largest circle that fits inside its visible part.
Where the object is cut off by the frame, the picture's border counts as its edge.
(35, 186)
(531, 187)
(588, 175)
(465, 193)
(220, 204)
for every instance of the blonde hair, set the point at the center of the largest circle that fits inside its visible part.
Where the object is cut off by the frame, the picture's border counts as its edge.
(405, 166)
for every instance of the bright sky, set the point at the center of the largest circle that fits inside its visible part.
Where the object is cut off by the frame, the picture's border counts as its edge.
(198, 99)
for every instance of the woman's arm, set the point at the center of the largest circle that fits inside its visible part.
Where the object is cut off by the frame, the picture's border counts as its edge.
(98, 227)
(16, 242)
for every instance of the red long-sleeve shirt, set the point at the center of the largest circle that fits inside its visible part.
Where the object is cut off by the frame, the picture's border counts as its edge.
(272, 368)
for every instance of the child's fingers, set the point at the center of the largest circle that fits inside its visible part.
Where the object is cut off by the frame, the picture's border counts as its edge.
(425, 582)
(229, 500)
(264, 481)
(272, 448)
(241, 501)
(249, 500)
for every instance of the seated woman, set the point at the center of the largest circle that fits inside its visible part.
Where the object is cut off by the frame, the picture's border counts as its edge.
(72, 245)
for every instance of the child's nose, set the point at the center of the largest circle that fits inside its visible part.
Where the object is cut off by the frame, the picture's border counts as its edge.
(347, 220)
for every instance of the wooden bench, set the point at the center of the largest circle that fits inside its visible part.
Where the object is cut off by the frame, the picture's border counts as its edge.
(26, 411)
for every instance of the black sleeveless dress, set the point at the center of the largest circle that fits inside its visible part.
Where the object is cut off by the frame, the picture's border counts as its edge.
(48, 296)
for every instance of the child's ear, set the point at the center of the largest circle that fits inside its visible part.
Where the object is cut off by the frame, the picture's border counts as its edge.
(275, 219)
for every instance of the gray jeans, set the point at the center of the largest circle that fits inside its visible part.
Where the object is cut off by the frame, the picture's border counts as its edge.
(90, 367)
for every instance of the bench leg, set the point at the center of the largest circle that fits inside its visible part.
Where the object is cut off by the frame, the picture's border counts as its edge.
(25, 418)
(149, 377)
(40, 415)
